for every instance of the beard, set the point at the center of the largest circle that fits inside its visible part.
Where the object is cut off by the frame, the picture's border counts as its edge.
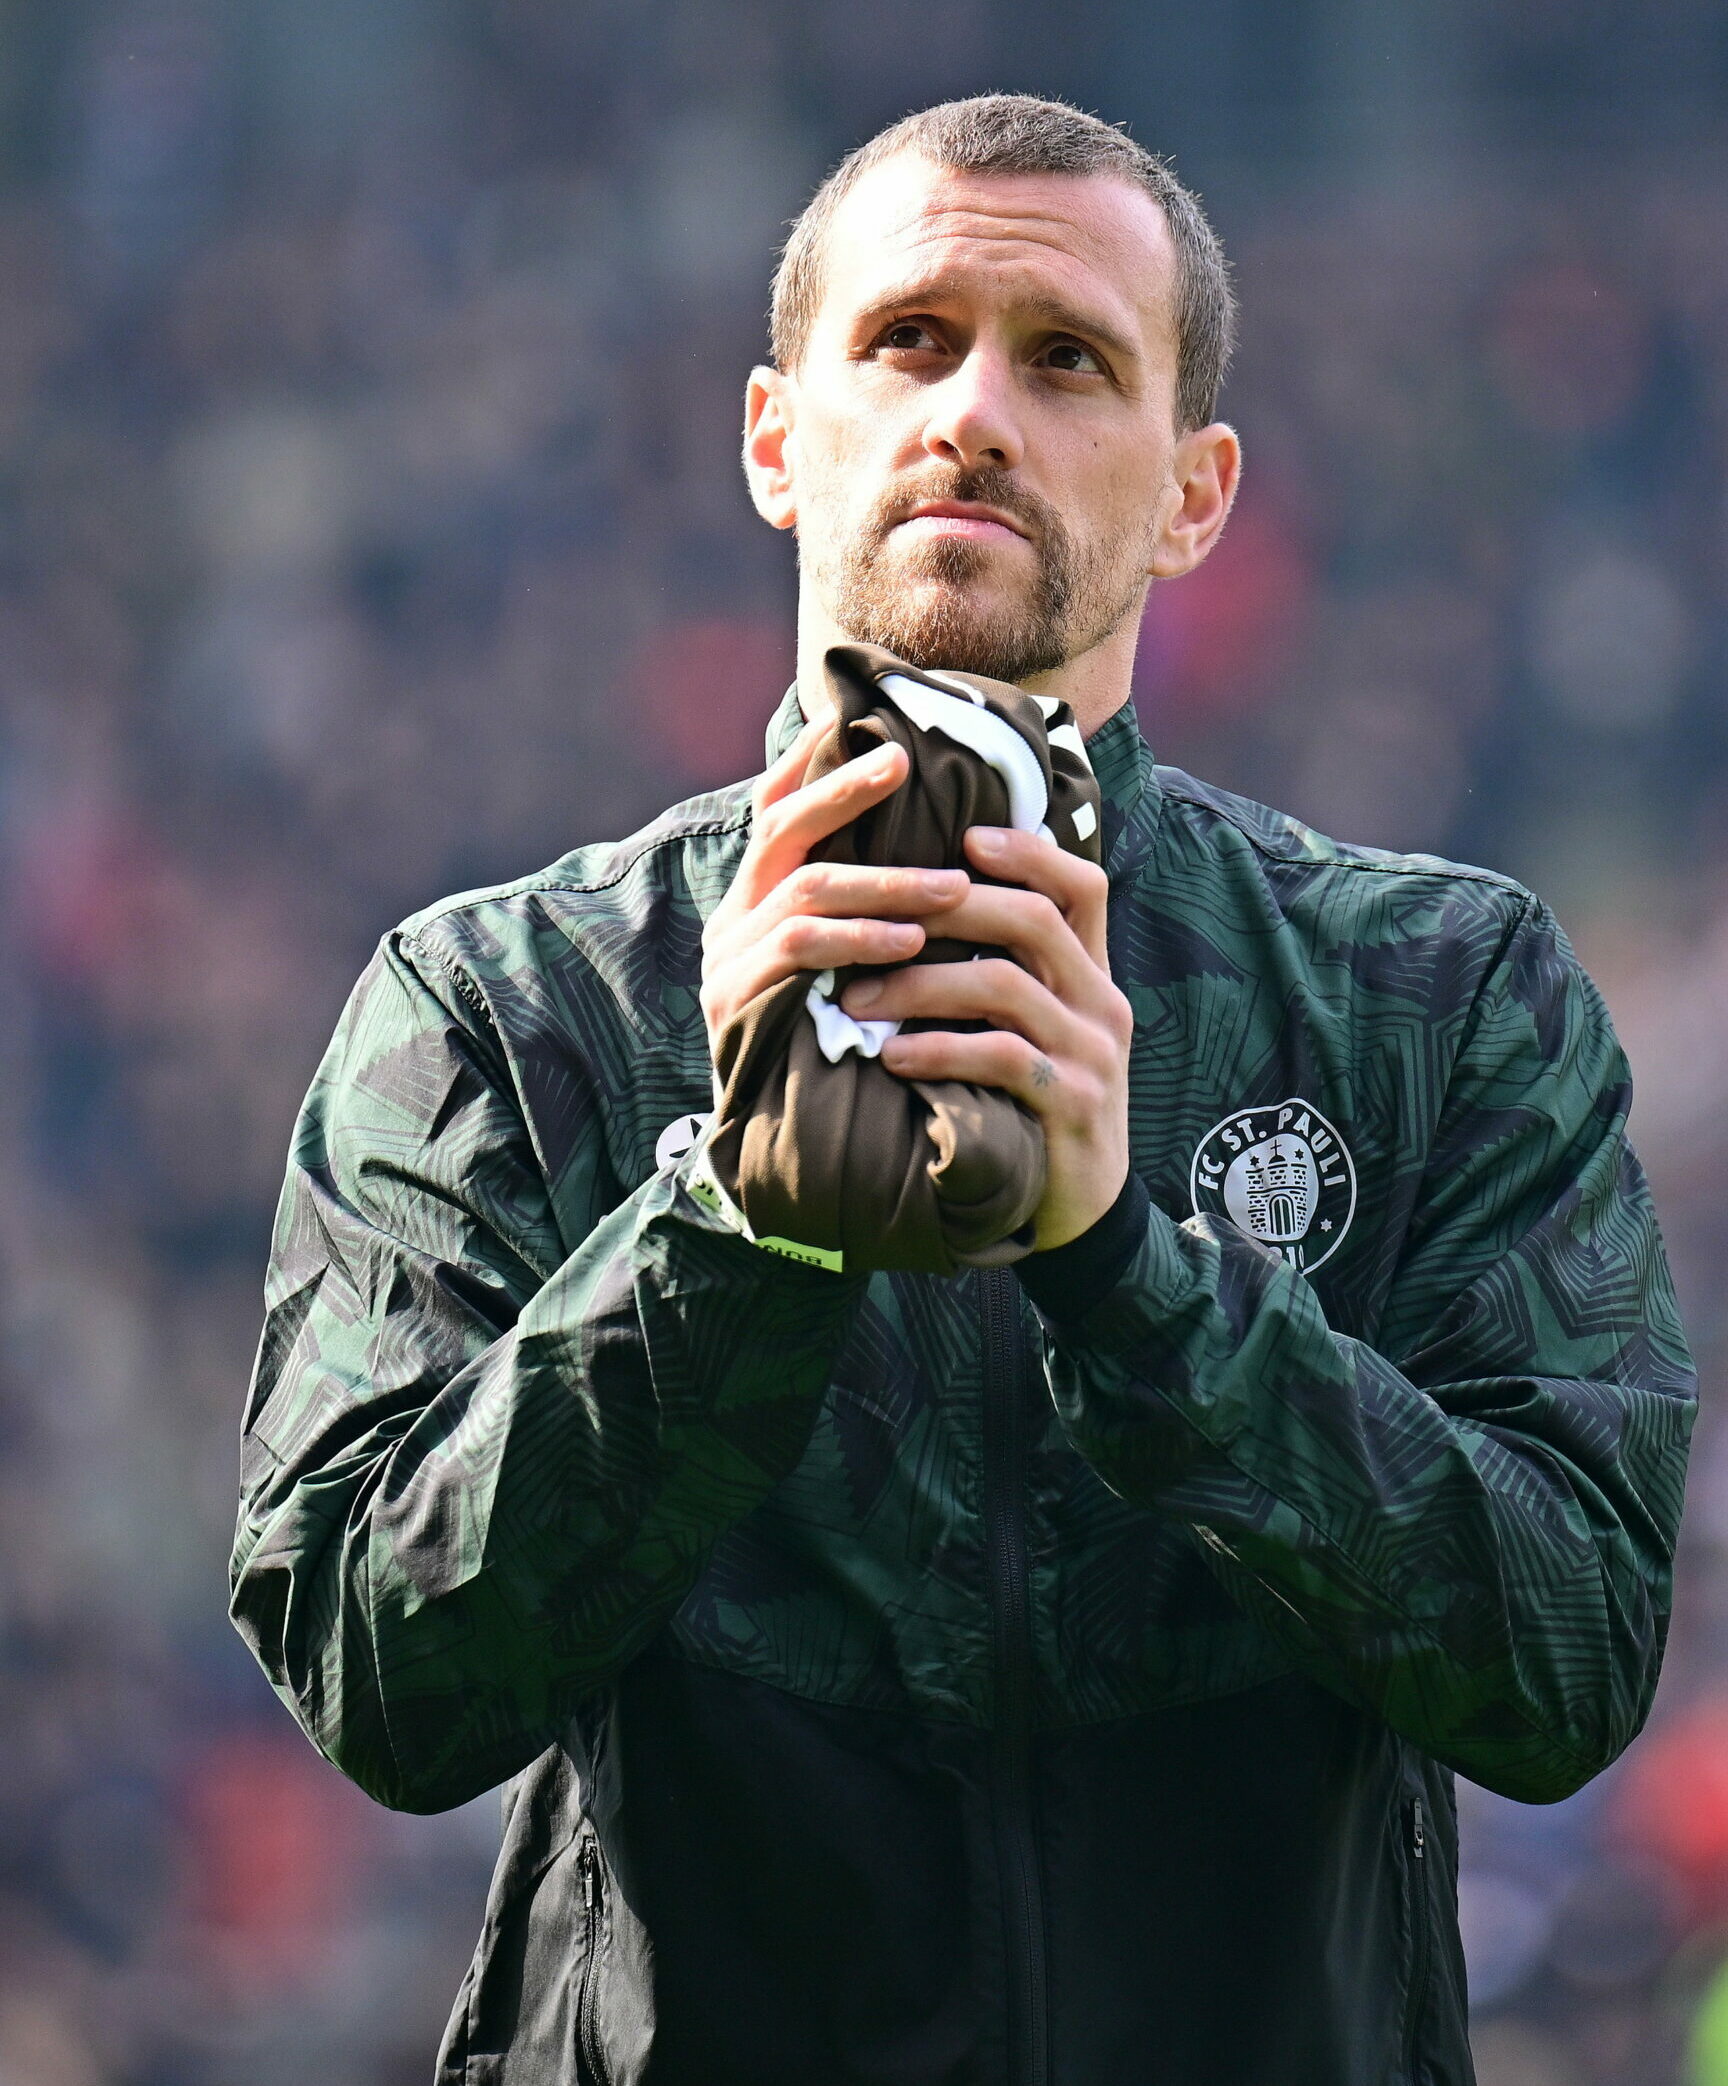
(930, 603)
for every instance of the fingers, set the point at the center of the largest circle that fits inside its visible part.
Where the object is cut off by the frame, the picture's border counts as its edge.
(838, 891)
(781, 780)
(789, 826)
(992, 989)
(1054, 1089)
(788, 771)
(785, 914)
(805, 943)
(1078, 889)
(823, 916)
(1034, 929)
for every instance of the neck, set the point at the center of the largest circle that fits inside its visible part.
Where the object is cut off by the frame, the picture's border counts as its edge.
(1094, 685)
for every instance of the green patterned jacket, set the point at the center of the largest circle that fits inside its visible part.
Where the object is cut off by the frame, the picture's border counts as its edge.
(904, 1683)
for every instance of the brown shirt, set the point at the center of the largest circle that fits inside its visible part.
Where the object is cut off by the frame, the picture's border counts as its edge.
(834, 1151)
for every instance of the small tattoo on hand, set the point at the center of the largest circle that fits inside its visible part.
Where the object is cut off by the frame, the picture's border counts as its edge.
(1043, 1073)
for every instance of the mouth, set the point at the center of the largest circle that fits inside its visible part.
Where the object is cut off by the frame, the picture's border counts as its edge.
(966, 521)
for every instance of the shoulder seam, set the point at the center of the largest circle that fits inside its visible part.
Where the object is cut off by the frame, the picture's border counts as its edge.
(1448, 872)
(1472, 1021)
(532, 885)
(458, 977)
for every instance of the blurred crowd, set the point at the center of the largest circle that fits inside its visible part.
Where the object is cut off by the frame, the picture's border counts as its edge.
(371, 527)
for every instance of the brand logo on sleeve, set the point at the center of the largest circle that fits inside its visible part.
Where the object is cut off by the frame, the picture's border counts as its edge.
(1281, 1174)
(677, 1138)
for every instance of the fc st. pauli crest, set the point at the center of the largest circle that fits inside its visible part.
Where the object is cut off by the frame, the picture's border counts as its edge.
(1281, 1174)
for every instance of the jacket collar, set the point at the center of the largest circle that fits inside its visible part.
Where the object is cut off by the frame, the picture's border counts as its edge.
(1120, 757)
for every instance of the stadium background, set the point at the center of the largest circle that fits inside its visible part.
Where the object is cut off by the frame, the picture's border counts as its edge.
(370, 526)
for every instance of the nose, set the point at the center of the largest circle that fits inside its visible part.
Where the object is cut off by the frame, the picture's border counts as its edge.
(972, 419)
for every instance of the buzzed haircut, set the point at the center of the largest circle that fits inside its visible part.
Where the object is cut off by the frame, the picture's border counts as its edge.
(1019, 134)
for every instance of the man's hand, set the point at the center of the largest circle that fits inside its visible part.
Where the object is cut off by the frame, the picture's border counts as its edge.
(1060, 1029)
(785, 914)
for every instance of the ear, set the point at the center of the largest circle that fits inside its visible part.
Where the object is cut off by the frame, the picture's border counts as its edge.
(769, 407)
(1204, 473)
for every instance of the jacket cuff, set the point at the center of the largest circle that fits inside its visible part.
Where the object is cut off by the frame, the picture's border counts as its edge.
(1068, 1280)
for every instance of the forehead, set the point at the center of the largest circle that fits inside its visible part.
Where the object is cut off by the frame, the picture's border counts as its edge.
(1094, 237)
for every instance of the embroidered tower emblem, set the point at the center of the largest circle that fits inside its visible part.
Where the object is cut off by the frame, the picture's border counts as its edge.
(1281, 1174)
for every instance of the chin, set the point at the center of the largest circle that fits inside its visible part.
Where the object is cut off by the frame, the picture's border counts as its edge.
(938, 632)
(954, 608)
(962, 609)
(963, 612)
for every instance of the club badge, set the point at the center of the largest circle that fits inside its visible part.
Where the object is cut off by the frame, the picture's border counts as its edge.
(1281, 1174)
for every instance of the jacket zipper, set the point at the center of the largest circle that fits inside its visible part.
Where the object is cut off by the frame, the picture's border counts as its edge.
(1006, 1411)
(588, 1992)
(1417, 1871)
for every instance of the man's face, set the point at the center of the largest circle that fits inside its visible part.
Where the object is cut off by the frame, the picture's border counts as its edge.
(982, 427)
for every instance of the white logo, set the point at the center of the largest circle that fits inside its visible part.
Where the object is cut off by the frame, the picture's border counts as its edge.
(1281, 1174)
(677, 1138)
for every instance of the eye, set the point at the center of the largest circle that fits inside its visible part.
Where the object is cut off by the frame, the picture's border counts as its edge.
(1073, 358)
(908, 337)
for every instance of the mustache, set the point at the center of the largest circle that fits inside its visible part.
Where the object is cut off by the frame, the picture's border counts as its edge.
(989, 485)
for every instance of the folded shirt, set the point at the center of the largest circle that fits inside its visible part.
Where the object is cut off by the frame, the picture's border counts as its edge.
(816, 1149)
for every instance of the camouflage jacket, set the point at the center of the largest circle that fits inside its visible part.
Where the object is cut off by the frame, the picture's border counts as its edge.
(904, 1683)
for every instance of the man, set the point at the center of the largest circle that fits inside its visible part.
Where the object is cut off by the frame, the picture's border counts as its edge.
(1049, 1675)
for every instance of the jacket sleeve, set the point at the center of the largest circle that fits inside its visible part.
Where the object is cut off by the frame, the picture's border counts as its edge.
(479, 1472)
(1469, 1531)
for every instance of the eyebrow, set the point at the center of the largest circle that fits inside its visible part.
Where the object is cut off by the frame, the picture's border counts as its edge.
(1066, 318)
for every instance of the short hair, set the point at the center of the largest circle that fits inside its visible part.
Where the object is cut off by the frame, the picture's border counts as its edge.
(1020, 134)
